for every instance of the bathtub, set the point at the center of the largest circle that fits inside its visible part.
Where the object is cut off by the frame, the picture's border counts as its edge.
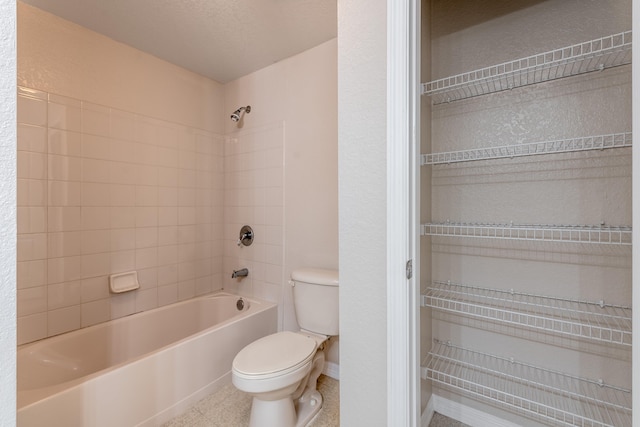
(139, 370)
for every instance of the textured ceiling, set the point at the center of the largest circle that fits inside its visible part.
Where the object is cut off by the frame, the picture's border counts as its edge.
(220, 39)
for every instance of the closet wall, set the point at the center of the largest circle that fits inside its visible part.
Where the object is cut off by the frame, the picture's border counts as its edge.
(587, 188)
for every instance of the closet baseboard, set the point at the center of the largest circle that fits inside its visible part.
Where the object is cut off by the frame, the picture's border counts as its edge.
(459, 412)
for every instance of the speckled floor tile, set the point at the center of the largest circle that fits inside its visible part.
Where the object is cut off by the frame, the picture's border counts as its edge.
(230, 407)
(439, 420)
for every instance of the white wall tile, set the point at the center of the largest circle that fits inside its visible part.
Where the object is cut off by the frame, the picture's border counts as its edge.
(168, 235)
(64, 143)
(167, 294)
(95, 119)
(95, 170)
(94, 312)
(63, 320)
(96, 241)
(95, 288)
(64, 244)
(146, 216)
(32, 246)
(96, 217)
(65, 269)
(122, 195)
(32, 111)
(146, 257)
(62, 168)
(146, 237)
(64, 193)
(31, 273)
(95, 194)
(32, 138)
(167, 274)
(148, 278)
(123, 173)
(32, 328)
(168, 176)
(122, 261)
(94, 265)
(32, 300)
(186, 289)
(146, 300)
(147, 175)
(123, 305)
(61, 295)
(167, 254)
(123, 239)
(123, 125)
(65, 116)
(146, 195)
(123, 217)
(96, 147)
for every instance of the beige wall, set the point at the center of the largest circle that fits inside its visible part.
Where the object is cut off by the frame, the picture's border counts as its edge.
(362, 157)
(287, 150)
(8, 213)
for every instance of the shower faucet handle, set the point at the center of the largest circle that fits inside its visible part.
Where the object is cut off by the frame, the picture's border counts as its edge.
(246, 236)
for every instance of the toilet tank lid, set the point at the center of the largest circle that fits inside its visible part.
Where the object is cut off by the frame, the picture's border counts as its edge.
(318, 276)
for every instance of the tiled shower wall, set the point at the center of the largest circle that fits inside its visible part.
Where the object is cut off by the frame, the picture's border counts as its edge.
(102, 191)
(254, 195)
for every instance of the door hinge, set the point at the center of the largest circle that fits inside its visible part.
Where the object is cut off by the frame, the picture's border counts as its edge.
(409, 269)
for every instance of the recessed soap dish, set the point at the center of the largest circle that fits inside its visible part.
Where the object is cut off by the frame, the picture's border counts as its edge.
(123, 282)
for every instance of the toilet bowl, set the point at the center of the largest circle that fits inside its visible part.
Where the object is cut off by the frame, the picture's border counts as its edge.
(280, 371)
(275, 371)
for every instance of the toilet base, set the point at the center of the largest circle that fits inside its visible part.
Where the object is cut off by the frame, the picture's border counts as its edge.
(308, 406)
(273, 413)
(284, 412)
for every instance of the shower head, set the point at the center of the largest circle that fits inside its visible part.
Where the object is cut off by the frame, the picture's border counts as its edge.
(235, 116)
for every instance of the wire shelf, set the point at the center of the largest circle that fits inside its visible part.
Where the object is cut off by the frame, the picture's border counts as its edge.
(588, 143)
(549, 396)
(595, 321)
(601, 234)
(594, 55)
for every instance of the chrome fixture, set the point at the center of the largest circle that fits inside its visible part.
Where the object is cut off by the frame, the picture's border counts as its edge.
(246, 236)
(243, 272)
(235, 116)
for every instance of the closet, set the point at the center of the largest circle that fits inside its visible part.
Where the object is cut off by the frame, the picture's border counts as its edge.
(526, 211)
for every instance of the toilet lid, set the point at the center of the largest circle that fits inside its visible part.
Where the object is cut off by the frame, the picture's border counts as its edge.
(274, 353)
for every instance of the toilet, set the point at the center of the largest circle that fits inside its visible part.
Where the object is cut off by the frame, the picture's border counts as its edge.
(280, 370)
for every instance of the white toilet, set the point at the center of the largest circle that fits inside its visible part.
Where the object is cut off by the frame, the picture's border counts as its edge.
(280, 370)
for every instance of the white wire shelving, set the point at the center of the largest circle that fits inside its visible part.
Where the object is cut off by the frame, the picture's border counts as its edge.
(590, 320)
(549, 396)
(593, 55)
(587, 143)
(602, 234)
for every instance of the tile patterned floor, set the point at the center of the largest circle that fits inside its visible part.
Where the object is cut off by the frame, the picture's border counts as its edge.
(440, 420)
(230, 408)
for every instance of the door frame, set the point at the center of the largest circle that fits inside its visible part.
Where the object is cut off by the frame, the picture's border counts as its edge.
(403, 169)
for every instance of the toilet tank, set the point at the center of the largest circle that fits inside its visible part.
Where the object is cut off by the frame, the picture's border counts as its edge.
(315, 298)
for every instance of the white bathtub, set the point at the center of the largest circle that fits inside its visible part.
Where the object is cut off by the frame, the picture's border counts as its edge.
(143, 369)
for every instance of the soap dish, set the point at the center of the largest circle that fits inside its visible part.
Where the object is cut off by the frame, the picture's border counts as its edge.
(123, 282)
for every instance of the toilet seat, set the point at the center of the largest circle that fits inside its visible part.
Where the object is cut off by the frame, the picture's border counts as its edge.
(274, 355)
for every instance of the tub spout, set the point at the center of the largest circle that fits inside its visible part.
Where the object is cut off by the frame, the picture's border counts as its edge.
(240, 273)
